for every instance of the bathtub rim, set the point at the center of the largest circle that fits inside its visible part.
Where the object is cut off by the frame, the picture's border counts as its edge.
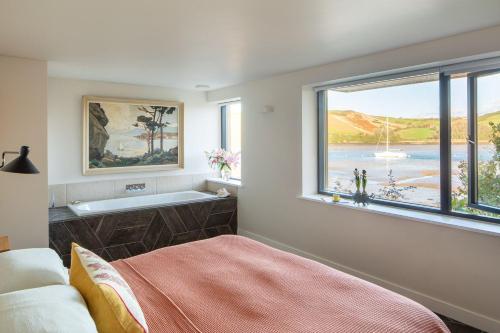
(212, 197)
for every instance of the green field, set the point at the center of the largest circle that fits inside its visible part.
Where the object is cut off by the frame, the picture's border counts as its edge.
(347, 126)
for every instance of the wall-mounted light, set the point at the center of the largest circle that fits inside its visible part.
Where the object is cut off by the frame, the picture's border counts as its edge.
(268, 109)
(21, 164)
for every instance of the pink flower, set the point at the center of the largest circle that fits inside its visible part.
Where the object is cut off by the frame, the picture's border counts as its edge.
(220, 158)
(233, 159)
(95, 266)
(103, 276)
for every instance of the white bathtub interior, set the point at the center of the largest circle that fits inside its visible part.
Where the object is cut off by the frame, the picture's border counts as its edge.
(113, 205)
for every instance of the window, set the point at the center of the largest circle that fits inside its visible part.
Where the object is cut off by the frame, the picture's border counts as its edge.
(478, 112)
(429, 140)
(231, 131)
(390, 128)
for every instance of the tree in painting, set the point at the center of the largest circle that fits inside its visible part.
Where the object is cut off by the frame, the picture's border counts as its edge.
(147, 124)
(154, 122)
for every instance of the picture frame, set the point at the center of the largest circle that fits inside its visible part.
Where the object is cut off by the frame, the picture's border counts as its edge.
(123, 135)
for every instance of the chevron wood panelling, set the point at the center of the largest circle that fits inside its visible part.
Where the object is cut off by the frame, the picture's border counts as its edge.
(121, 235)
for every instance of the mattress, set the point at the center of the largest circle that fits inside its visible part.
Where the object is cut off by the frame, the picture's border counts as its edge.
(235, 284)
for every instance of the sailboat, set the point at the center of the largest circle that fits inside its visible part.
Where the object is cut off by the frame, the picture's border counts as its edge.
(393, 153)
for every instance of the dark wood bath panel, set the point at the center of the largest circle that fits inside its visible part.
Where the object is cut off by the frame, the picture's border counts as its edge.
(120, 235)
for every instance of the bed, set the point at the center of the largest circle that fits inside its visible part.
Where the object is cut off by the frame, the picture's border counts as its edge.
(234, 284)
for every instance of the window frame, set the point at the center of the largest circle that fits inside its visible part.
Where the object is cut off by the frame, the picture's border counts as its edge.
(223, 126)
(223, 107)
(445, 74)
(472, 142)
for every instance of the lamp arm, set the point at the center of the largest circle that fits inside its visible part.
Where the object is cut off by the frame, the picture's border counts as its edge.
(5, 153)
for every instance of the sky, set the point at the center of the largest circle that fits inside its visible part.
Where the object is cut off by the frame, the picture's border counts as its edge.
(419, 100)
(122, 116)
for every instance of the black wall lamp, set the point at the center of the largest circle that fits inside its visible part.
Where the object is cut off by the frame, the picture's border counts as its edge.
(21, 164)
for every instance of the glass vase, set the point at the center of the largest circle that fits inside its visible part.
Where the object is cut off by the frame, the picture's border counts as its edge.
(225, 174)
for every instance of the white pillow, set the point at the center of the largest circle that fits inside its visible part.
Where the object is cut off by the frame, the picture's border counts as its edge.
(31, 268)
(51, 309)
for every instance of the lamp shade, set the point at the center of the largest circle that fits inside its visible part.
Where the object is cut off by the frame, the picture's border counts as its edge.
(21, 164)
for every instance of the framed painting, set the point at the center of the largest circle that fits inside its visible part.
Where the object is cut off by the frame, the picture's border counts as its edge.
(128, 135)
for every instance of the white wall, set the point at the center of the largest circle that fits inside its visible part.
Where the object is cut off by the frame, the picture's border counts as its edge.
(202, 126)
(454, 272)
(23, 121)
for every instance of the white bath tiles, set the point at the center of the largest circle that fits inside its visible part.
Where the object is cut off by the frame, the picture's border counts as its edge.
(200, 182)
(58, 193)
(109, 189)
(119, 188)
(174, 183)
(90, 191)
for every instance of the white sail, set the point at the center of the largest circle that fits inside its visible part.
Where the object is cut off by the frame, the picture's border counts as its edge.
(393, 153)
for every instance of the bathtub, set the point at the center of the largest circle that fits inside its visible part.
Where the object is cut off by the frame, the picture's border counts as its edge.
(130, 203)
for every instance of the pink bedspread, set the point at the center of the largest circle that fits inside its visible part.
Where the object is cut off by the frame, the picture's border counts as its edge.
(234, 284)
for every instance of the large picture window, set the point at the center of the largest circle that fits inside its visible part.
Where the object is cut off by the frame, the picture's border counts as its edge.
(231, 131)
(429, 140)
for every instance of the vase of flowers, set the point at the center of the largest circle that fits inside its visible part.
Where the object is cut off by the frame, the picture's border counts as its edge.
(223, 161)
(357, 182)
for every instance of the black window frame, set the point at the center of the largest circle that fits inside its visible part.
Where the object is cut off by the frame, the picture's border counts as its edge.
(444, 143)
(472, 142)
(223, 126)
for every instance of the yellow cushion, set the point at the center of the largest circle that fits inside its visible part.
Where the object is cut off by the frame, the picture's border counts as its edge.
(109, 298)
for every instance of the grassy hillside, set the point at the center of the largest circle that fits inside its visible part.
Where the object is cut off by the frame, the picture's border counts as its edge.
(347, 126)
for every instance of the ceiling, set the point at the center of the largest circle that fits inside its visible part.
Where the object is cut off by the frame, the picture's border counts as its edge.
(183, 43)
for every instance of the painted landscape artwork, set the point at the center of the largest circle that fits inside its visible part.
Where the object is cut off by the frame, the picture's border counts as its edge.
(131, 135)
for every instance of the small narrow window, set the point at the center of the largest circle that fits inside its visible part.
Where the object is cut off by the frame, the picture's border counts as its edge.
(231, 132)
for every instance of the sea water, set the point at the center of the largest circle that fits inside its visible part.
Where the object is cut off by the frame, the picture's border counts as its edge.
(420, 169)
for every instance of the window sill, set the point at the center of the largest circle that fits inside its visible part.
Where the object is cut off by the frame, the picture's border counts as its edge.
(230, 182)
(443, 220)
